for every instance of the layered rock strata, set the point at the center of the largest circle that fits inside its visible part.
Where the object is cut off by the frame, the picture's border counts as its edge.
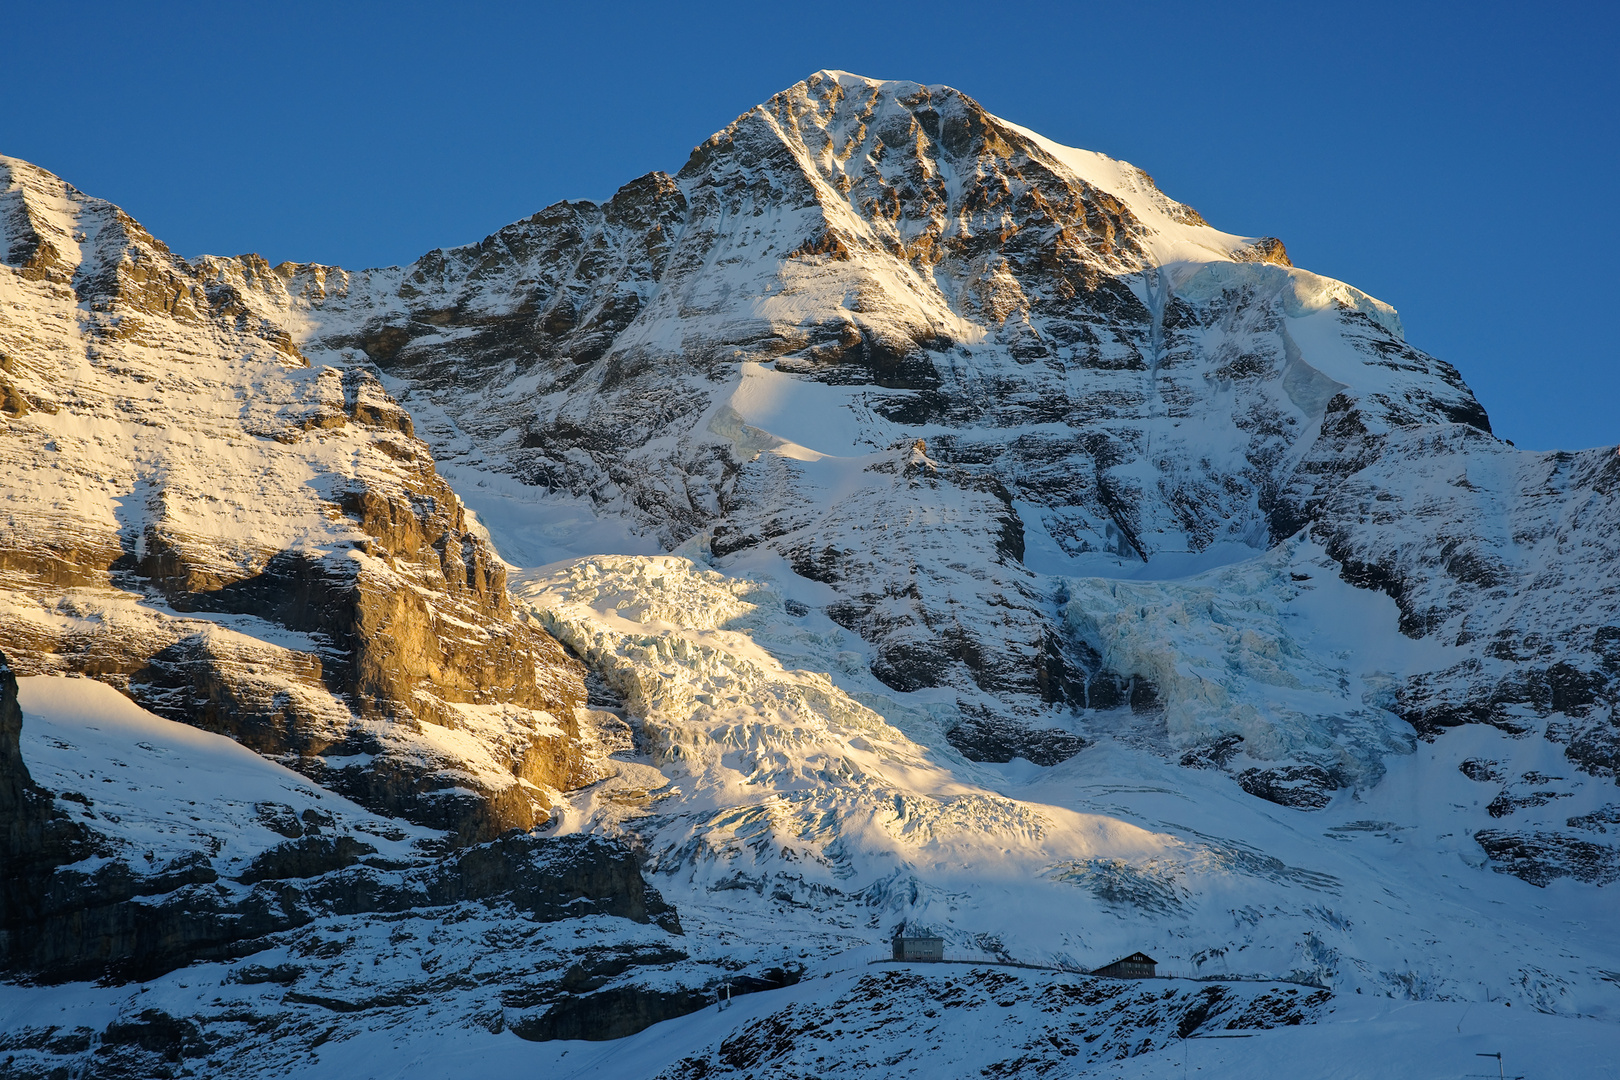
(248, 543)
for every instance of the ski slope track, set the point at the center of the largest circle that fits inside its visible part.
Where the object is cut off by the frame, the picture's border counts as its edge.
(890, 522)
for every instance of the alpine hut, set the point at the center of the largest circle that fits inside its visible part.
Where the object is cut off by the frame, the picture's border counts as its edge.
(1135, 966)
(922, 947)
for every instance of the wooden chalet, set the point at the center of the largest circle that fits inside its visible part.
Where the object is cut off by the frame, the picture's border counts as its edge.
(1135, 966)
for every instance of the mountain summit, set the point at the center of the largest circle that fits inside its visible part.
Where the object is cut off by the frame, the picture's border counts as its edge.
(923, 356)
(913, 525)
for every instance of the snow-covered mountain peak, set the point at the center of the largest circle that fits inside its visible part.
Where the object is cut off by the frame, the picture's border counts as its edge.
(960, 535)
(853, 266)
(849, 127)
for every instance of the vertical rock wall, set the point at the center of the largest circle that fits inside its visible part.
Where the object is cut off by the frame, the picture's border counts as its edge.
(244, 542)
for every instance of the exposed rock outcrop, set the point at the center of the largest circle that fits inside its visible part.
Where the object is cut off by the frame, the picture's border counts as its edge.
(35, 837)
(248, 544)
(115, 922)
(1542, 857)
(625, 1010)
(1304, 787)
(982, 741)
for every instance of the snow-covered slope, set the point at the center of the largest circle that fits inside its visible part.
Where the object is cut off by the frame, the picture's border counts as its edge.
(776, 772)
(158, 791)
(961, 535)
(256, 905)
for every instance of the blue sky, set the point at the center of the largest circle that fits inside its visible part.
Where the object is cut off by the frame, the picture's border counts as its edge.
(1458, 161)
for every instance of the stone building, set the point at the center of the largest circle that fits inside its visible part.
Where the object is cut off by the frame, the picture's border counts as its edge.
(923, 948)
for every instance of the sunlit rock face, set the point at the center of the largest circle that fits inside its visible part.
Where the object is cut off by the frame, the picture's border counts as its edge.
(248, 543)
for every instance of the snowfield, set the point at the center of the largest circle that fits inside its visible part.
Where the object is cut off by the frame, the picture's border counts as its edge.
(837, 1027)
(162, 790)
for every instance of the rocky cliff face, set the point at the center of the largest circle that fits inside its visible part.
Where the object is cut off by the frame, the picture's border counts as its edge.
(37, 837)
(248, 543)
